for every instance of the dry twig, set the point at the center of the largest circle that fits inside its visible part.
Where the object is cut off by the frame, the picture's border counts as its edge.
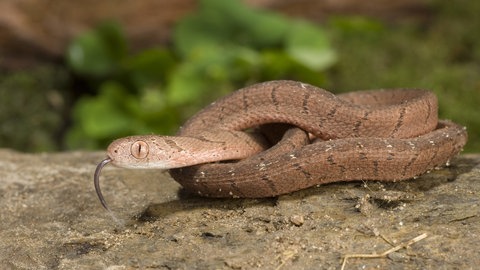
(386, 252)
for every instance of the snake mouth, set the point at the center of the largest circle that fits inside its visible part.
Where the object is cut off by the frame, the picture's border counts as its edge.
(96, 181)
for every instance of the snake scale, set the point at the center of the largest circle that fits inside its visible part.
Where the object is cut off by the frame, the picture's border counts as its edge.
(384, 135)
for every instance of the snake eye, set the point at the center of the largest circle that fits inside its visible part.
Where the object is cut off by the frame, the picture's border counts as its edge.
(139, 149)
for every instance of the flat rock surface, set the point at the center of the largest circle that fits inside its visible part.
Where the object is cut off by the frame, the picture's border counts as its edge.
(51, 219)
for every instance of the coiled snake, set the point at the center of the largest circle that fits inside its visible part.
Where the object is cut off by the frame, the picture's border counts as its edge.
(384, 135)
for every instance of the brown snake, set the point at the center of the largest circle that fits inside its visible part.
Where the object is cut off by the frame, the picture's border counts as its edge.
(384, 135)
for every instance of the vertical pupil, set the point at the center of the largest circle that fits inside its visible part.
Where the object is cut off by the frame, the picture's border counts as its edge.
(139, 149)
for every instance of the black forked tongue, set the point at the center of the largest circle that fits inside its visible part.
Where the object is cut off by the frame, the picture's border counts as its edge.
(96, 182)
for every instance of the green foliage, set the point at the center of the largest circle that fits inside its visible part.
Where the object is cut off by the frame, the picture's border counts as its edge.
(223, 46)
(306, 45)
(31, 108)
(97, 53)
(440, 57)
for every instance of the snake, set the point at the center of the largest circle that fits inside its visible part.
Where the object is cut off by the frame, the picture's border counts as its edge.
(277, 137)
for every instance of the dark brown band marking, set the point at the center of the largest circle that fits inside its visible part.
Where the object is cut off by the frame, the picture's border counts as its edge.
(273, 97)
(305, 109)
(399, 121)
(358, 124)
(245, 101)
(269, 182)
(173, 144)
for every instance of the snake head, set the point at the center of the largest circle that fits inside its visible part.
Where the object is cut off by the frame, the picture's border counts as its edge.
(142, 152)
(131, 152)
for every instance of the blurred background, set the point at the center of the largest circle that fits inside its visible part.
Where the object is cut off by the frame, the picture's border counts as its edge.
(78, 74)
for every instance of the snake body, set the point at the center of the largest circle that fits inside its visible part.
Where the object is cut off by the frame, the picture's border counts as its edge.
(384, 135)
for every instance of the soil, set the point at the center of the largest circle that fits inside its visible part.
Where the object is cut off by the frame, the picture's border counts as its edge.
(52, 219)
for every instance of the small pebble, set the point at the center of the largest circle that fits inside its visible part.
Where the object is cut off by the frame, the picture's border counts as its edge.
(297, 220)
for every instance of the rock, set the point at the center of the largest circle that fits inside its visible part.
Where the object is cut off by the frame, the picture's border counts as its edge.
(297, 220)
(52, 219)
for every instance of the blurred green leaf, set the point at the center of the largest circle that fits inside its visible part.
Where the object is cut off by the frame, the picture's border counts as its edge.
(97, 52)
(310, 46)
(152, 101)
(209, 74)
(363, 27)
(228, 23)
(104, 115)
(149, 66)
(185, 86)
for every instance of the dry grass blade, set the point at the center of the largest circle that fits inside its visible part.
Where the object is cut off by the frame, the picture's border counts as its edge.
(385, 253)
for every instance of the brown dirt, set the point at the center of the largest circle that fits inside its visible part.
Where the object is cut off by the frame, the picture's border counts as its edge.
(51, 219)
